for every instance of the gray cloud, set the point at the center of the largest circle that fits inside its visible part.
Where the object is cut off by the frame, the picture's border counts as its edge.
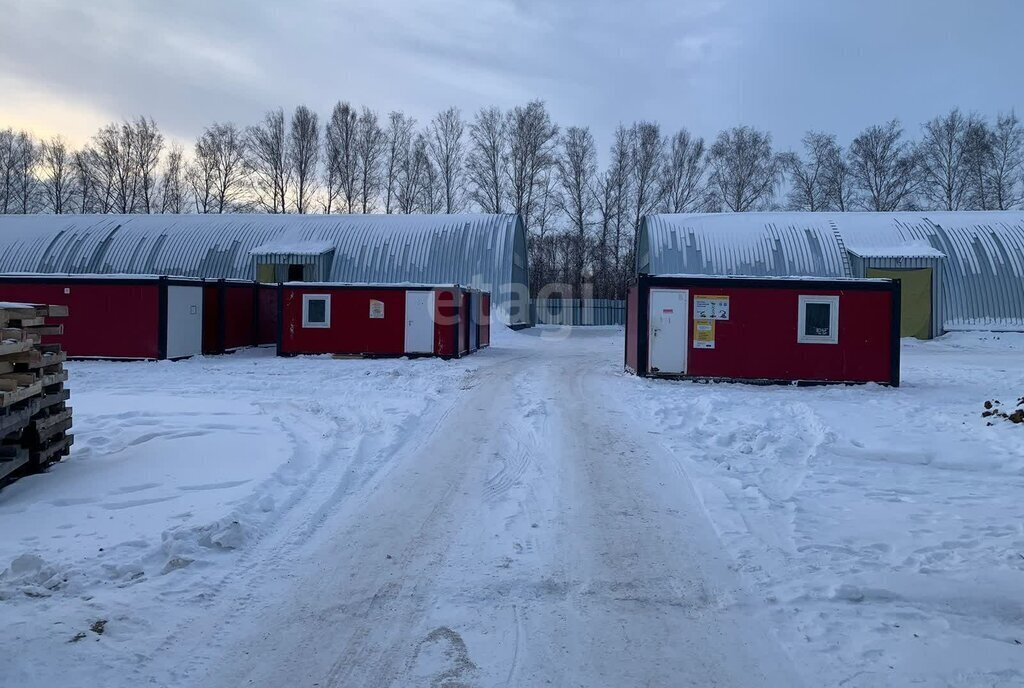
(784, 65)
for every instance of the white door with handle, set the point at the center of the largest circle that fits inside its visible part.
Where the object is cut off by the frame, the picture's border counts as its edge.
(419, 322)
(667, 342)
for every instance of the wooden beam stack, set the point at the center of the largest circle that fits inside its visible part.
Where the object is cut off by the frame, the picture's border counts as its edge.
(34, 416)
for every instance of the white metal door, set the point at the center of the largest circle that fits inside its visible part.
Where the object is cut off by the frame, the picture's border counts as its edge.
(419, 322)
(668, 341)
(184, 321)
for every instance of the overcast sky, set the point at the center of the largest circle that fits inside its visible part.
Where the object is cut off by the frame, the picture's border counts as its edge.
(783, 65)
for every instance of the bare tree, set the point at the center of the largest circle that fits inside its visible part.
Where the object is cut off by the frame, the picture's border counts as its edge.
(577, 172)
(57, 175)
(268, 156)
(809, 187)
(84, 182)
(219, 172)
(432, 194)
(342, 156)
(943, 155)
(1006, 171)
(487, 162)
(745, 171)
(646, 154)
(412, 176)
(446, 152)
(149, 143)
(615, 206)
(398, 140)
(684, 175)
(883, 167)
(839, 190)
(532, 139)
(979, 161)
(173, 186)
(369, 150)
(304, 156)
(19, 184)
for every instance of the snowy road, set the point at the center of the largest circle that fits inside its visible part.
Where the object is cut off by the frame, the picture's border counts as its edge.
(526, 516)
(526, 535)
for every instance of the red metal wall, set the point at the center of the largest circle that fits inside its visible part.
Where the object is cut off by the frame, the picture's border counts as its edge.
(485, 320)
(211, 319)
(631, 327)
(266, 330)
(238, 315)
(464, 322)
(352, 331)
(759, 341)
(445, 331)
(105, 319)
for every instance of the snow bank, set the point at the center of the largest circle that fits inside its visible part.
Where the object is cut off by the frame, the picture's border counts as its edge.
(180, 473)
(884, 526)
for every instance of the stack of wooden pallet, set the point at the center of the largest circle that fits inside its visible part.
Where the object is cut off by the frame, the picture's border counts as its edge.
(34, 415)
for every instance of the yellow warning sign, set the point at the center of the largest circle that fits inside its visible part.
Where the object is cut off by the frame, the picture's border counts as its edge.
(704, 334)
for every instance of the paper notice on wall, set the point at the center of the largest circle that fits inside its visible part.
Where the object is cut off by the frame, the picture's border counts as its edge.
(711, 307)
(704, 334)
(376, 309)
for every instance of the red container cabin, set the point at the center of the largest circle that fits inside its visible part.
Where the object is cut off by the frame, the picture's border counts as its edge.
(382, 320)
(231, 315)
(118, 317)
(778, 330)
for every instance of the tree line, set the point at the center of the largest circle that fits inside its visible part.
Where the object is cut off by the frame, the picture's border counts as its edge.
(582, 217)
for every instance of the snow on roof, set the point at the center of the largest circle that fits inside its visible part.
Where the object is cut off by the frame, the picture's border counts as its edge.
(909, 249)
(981, 271)
(409, 285)
(781, 278)
(12, 305)
(483, 250)
(293, 247)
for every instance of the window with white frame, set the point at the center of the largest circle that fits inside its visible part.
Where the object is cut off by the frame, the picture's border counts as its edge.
(316, 310)
(818, 321)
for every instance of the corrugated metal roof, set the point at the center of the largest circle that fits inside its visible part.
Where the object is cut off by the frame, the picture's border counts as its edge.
(982, 263)
(473, 250)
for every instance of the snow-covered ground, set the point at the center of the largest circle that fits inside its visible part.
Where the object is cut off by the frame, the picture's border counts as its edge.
(526, 516)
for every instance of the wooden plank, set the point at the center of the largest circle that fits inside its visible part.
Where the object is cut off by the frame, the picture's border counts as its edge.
(23, 379)
(46, 330)
(54, 378)
(55, 450)
(47, 422)
(11, 348)
(57, 311)
(45, 434)
(9, 398)
(12, 460)
(6, 367)
(28, 322)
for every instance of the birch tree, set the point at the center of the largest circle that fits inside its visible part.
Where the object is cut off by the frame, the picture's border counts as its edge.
(173, 186)
(883, 168)
(944, 155)
(1006, 173)
(577, 171)
(267, 159)
(646, 153)
(745, 171)
(398, 140)
(684, 175)
(57, 175)
(532, 139)
(487, 161)
(809, 175)
(445, 145)
(370, 144)
(304, 156)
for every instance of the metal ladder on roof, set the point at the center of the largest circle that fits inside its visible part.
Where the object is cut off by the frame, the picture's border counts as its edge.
(847, 270)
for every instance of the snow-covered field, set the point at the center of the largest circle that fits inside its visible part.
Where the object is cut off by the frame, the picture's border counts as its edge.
(525, 516)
